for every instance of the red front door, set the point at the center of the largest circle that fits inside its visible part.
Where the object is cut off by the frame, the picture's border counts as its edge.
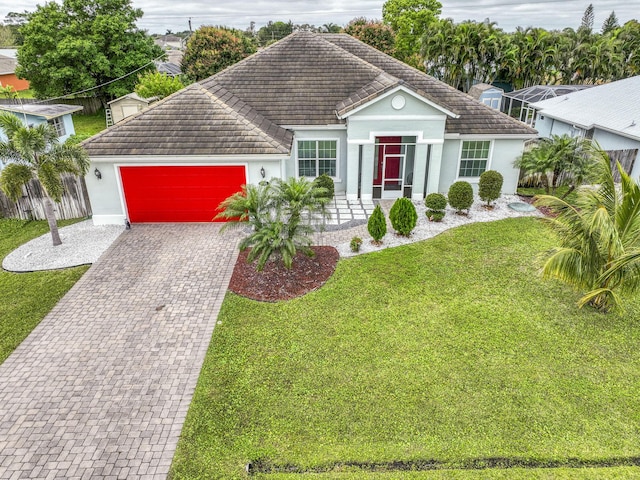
(178, 193)
(389, 168)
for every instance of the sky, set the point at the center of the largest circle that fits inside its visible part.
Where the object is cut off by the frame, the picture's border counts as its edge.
(162, 15)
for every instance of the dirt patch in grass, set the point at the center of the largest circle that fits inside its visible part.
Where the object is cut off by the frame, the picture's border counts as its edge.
(276, 282)
(546, 211)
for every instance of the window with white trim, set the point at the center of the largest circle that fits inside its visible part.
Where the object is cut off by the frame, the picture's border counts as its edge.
(316, 157)
(58, 124)
(474, 157)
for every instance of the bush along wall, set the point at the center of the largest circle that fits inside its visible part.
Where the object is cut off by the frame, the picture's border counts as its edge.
(490, 186)
(377, 225)
(403, 216)
(435, 203)
(461, 197)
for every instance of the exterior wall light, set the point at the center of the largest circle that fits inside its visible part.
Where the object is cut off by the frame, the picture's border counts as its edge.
(97, 173)
(262, 172)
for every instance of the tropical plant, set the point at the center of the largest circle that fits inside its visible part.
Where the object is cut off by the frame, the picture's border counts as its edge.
(282, 215)
(599, 237)
(435, 203)
(559, 160)
(377, 225)
(211, 49)
(460, 196)
(156, 84)
(355, 244)
(374, 33)
(490, 186)
(403, 216)
(34, 152)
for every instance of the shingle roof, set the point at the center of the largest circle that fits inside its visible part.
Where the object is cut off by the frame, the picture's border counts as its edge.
(304, 79)
(42, 109)
(194, 121)
(613, 106)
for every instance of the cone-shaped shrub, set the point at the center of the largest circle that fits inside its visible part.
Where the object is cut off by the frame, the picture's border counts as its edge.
(403, 216)
(435, 203)
(490, 186)
(460, 196)
(377, 225)
(326, 182)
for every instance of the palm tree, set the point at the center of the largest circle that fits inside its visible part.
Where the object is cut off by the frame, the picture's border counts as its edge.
(599, 236)
(34, 152)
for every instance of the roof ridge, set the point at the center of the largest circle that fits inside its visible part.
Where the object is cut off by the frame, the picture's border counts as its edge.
(242, 117)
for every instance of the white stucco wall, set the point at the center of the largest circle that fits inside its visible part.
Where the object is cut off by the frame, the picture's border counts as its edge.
(107, 197)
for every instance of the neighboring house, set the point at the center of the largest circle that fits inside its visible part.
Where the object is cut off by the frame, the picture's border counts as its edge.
(170, 42)
(518, 102)
(487, 94)
(125, 106)
(8, 74)
(34, 114)
(172, 65)
(609, 114)
(306, 105)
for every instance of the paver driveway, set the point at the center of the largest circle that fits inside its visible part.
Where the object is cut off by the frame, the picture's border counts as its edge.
(101, 388)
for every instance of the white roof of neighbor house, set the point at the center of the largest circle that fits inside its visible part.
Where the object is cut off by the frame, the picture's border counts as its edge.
(613, 106)
(42, 110)
(133, 96)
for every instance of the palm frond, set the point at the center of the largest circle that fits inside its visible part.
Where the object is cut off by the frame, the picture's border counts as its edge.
(12, 178)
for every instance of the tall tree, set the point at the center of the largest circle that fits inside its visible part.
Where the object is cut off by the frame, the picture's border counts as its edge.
(588, 18)
(34, 152)
(84, 44)
(372, 32)
(211, 49)
(410, 19)
(273, 31)
(599, 235)
(610, 23)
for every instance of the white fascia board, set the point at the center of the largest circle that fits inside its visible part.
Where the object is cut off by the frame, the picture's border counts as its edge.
(332, 126)
(502, 136)
(400, 88)
(373, 134)
(184, 159)
(367, 118)
(564, 120)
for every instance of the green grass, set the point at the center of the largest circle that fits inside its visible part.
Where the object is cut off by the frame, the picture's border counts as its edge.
(452, 349)
(88, 125)
(28, 93)
(27, 297)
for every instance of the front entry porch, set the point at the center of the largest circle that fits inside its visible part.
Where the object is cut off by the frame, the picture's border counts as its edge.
(393, 167)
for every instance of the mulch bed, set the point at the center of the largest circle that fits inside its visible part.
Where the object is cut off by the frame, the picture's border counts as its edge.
(276, 283)
(544, 210)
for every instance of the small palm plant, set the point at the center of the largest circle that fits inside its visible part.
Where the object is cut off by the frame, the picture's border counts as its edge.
(599, 236)
(34, 152)
(282, 216)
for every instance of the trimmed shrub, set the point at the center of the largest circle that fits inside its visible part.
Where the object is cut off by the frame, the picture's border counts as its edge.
(377, 225)
(460, 196)
(490, 186)
(435, 203)
(355, 244)
(326, 182)
(403, 216)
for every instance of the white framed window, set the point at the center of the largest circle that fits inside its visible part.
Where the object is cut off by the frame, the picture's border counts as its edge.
(474, 157)
(58, 124)
(315, 157)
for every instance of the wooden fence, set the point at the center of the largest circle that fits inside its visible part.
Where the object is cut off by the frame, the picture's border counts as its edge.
(90, 105)
(74, 204)
(626, 158)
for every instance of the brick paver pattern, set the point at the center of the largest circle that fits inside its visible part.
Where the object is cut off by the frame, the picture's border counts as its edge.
(101, 388)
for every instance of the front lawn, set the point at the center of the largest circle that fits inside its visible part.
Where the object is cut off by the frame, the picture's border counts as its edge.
(27, 297)
(451, 351)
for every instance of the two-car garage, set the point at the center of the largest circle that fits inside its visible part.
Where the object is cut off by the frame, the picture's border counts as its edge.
(178, 193)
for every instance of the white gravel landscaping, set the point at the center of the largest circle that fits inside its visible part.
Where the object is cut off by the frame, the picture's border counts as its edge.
(82, 243)
(426, 229)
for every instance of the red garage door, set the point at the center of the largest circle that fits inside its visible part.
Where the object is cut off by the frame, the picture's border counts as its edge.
(178, 194)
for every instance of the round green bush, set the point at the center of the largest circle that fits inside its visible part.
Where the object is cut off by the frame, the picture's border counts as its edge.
(377, 225)
(326, 182)
(403, 216)
(460, 196)
(490, 186)
(436, 215)
(355, 244)
(435, 201)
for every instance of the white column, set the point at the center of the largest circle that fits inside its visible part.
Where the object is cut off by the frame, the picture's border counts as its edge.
(433, 182)
(353, 156)
(366, 188)
(419, 171)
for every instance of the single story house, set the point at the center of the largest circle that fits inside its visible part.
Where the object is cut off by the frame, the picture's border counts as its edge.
(306, 105)
(58, 115)
(608, 114)
(487, 94)
(8, 74)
